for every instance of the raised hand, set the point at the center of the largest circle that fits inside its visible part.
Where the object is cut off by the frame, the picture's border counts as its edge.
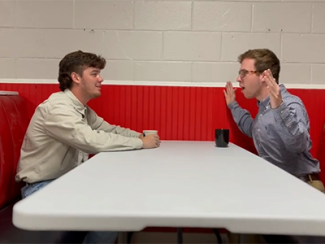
(274, 89)
(229, 92)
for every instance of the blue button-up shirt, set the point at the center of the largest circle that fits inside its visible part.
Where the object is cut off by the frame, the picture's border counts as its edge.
(281, 135)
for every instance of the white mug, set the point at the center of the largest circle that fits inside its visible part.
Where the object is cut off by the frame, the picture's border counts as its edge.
(147, 132)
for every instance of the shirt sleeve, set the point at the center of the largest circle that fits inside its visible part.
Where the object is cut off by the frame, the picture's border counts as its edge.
(98, 123)
(242, 118)
(67, 125)
(295, 125)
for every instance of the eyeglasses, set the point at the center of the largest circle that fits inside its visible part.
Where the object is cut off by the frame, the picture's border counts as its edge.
(243, 72)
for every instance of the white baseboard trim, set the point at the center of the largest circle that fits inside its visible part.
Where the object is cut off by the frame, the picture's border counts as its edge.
(158, 83)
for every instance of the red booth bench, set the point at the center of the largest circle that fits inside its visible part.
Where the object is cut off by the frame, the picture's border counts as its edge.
(14, 121)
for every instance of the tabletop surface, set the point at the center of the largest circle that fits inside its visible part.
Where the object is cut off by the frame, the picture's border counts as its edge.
(180, 184)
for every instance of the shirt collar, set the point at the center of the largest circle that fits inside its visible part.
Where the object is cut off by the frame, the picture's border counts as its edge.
(77, 104)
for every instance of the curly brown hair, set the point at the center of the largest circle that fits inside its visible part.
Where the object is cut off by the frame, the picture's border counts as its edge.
(264, 59)
(77, 62)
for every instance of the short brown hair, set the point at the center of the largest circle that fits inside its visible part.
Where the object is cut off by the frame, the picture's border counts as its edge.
(264, 59)
(77, 62)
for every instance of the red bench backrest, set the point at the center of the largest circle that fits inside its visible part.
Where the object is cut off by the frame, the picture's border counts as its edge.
(14, 121)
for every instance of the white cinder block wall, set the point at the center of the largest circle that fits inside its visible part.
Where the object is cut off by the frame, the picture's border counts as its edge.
(163, 41)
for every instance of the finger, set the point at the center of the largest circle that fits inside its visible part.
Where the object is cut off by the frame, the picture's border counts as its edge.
(229, 88)
(266, 73)
(269, 85)
(271, 82)
(272, 91)
(269, 75)
(267, 78)
(227, 85)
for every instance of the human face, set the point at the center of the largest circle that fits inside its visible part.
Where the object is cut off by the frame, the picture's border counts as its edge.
(249, 79)
(90, 83)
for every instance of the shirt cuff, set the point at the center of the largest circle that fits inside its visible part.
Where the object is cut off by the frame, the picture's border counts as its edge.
(138, 143)
(232, 105)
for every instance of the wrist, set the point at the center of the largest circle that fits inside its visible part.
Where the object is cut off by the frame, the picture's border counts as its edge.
(232, 104)
(276, 104)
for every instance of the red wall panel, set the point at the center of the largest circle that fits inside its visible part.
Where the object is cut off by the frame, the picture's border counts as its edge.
(179, 113)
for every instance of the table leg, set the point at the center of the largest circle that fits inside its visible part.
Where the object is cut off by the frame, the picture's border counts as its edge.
(179, 235)
(122, 237)
(216, 232)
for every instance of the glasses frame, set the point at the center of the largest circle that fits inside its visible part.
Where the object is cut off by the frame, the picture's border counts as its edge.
(243, 72)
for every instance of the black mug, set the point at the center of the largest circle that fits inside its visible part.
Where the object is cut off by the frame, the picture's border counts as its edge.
(222, 137)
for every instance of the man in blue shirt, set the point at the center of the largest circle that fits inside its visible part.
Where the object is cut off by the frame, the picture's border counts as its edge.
(280, 130)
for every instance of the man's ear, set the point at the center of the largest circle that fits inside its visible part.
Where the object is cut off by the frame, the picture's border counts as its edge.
(75, 77)
(262, 77)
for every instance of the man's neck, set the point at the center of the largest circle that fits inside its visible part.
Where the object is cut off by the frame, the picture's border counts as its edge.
(78, 94)
(264, 94)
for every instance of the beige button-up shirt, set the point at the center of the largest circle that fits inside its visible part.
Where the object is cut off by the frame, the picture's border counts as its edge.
(61, 134)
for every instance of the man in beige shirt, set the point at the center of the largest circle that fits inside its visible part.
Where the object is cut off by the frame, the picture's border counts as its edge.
(64, 130)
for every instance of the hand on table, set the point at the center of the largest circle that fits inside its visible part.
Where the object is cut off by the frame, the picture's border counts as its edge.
(150, 141)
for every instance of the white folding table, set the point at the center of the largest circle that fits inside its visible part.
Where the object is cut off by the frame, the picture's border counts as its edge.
(180, 184)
